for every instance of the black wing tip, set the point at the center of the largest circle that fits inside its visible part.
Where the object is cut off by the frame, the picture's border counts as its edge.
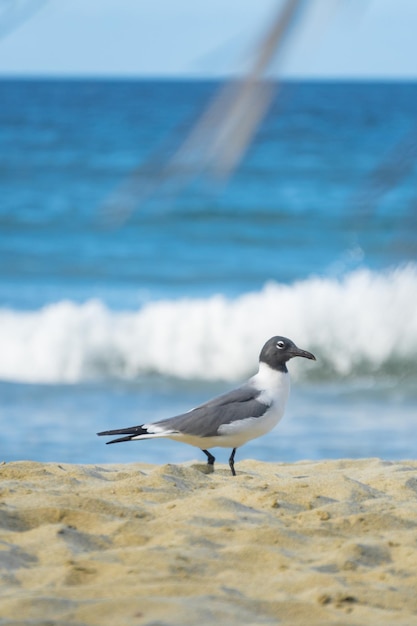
(132, 430)
(119, 440)
(129, 433)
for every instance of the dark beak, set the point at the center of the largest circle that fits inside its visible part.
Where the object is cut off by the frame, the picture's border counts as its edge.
(303, 353)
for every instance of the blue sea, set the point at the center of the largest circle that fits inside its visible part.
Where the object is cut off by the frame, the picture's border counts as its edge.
(111, 325)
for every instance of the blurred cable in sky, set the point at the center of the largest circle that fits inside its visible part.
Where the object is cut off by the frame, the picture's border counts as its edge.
(13, 13)
(219, 139)
(221, 136)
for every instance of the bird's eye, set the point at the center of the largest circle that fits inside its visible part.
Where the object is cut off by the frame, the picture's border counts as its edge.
(280, 345)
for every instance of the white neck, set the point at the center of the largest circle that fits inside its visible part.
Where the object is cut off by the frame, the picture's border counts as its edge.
(274, 384)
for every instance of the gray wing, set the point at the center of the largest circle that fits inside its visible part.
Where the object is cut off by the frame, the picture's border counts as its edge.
(205, 420)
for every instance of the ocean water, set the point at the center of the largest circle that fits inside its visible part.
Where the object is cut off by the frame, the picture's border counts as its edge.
(314, 237)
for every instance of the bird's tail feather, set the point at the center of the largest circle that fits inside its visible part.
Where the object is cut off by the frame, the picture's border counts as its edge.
(131, 433)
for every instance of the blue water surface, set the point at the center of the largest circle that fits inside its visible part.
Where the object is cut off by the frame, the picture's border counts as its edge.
(327, 187)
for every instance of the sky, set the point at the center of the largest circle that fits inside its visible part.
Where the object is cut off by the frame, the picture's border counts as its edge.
(365, 39)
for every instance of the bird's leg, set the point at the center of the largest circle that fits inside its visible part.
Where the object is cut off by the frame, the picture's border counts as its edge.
(210, 457)
(232, 461)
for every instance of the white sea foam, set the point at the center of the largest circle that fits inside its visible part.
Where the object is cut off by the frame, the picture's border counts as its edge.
(365, 322)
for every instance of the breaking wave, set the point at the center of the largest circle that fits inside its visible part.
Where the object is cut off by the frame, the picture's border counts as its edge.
(363, 324)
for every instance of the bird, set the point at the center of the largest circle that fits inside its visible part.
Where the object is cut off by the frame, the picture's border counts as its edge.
(235, 417)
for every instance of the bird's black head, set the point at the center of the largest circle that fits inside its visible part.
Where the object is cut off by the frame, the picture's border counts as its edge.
(278, 350)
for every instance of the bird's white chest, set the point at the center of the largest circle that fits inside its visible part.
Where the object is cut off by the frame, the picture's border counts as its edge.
(275, 388)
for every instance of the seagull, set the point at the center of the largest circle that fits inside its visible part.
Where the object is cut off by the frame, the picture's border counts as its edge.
(232, 419)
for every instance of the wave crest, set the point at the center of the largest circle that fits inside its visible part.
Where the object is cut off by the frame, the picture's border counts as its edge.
(362, 324)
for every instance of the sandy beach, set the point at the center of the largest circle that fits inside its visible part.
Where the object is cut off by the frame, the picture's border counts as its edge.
(332, 542)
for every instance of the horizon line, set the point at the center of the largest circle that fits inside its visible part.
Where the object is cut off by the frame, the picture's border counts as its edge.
(201, 77)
